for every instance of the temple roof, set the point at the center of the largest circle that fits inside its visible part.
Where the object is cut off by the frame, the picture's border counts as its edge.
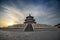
(29, 16)
(29, 19)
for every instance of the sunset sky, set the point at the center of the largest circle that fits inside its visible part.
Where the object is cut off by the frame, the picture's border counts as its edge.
(15, 11)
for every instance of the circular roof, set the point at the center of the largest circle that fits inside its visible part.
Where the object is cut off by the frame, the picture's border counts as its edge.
(29, 16)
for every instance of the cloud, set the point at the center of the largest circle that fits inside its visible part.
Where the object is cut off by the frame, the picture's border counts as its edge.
(43, 14)
(13, 14)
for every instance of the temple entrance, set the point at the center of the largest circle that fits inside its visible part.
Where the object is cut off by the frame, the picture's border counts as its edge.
(29, 28)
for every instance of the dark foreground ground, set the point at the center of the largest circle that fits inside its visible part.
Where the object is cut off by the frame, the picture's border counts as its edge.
(42, 35)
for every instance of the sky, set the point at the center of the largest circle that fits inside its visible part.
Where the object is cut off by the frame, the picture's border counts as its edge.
(15, 11)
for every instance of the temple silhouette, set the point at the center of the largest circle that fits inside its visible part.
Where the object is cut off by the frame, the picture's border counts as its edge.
(29, 20)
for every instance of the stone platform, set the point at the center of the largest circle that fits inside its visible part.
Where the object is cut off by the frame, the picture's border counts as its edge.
(42, 35)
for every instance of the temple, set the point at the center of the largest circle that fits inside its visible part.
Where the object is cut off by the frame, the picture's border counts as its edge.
(29, 21)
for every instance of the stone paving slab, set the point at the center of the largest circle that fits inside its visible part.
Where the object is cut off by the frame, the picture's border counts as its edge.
(42, 35)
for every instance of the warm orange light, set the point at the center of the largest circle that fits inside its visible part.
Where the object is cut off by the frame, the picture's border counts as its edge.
(6, 24)
(11, 23)
(3, 24)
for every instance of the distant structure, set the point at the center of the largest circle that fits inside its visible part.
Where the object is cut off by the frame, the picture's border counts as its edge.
(58, 25)
(30, 25)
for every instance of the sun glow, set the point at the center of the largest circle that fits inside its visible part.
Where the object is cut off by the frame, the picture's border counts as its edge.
(6, 23)
(10, 24)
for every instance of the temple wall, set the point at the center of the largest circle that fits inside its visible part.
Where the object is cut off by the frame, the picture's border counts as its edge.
(17, 26)
(33, 25)
(42, 26)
